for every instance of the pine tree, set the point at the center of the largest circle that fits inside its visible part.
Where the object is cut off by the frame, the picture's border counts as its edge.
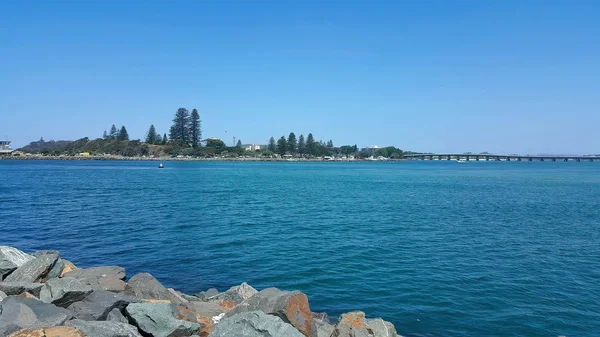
(105, 135)
(165, 139)
(330, 144)
(180, 128)
(123, 135)
(271, 146)
(292, 143)
(158, 139)
(239, 143)
(195, 128)
(282, 145)
(151, 135)
(113, 132)
(301, 145)
(311, 146)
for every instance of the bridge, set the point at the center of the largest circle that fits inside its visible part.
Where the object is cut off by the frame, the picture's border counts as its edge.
(496, 157)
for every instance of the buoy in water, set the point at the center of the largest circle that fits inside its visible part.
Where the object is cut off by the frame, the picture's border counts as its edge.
(160, 165)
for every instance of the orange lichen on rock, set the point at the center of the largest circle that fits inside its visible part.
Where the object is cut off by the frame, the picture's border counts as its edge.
(299, 314)
(228, 305)
(58, 331)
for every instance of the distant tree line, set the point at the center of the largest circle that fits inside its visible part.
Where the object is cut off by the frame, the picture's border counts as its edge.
(120, 134)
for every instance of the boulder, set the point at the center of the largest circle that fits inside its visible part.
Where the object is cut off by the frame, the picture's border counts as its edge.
(2, 295)
(6, 267)
(99, 304)
(69, 267)
(116, 315)
(39, 253)
(34, 270)
(145, 286)
(205, 295)
(58, 331)
(65, 291)
(104, 329)
(254, 324)
(14, 255)
(291, 306)
(24, 313)
(354, 324)
(187, 297)
(204, 313)
(321, 325)
(207, 309)
(234, 296)
(158, 320)
(16, 288)
(109, 278)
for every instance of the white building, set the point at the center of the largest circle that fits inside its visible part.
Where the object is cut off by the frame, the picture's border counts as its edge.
(252, 147)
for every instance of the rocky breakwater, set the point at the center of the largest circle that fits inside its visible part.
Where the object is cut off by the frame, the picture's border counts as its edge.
(44, 295)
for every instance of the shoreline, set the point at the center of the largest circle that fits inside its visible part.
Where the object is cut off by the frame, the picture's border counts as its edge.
(43, 294)
(167, 159)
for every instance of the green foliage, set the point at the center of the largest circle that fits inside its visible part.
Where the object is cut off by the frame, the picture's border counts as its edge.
(158, 140)
(165, 139)
(271, 147)
(292, 144)
(104, 135)
(123, 135)
(301, 145)
(311, 147)
(195, 129)
(179, 130)
(216, 144)
(95, 147)
(113, 132)
(389, 152)
(330, 144)
(348, 150)
(152, 136)
(239, 144)
(282, 146)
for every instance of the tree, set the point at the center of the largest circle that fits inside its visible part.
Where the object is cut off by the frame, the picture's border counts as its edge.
(195, 128)
(330, 144)
(158, 140)
(239, 143)
(301, 145)
(292, 143)
(271, 146)
(311, 145)
(179, 129)
(104, 135)
(165, 139)
(151, 135)
(123, 135)
(113, 132)
(216, 144)
(282, 145)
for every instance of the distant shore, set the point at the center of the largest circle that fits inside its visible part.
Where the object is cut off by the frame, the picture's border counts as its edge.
(166, 159)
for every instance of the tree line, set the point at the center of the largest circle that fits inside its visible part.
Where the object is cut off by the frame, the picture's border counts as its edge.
(120, 134)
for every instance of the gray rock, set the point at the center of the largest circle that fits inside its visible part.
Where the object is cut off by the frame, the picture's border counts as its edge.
(2, 295)
(204, 295)
(34, 270)
(237, 294)
(39, 253)
(254, 324)
(99, 304)
(104, 329)
(382, 328)
(158, 320)
(6, 267)
(291, 306)
(322, 329)
(56, 269)
(207, 309)
(66, 291)
(145, 286)
(14, 255)
(115, 315)
(16, 288)
(110, 278)
(24, 313)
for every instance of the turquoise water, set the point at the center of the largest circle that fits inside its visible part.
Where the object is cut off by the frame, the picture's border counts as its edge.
(438, 248)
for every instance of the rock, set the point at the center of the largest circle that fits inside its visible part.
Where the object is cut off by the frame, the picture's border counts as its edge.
(39, 253)
(204, 295)
(254, 324)
(6, 267)
(158, 320)
(56, 270)
(69, 267)
(109, 278)
(291, 306)
(187, 297)
(27, 295)
(65, 291)
(322, 329)
(354, 324)
(14, 255)
(236, 294)
(58, 331)
(205, 314)
(145, 286)
(23, 313)
(2, 295)
(99, 304)
(115, 315)
(34, 270)
(382, 328)
(104, 329)
(16, 288)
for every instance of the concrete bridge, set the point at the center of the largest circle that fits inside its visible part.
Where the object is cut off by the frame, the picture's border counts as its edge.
(496, 157)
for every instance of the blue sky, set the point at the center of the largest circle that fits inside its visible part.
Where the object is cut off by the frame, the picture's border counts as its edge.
(498, 76)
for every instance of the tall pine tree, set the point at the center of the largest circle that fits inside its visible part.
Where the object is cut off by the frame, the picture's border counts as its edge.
(113, 132)
(195, 128)
(123, 135)
(105, 135)
(151, 135)
(181, 125)
(165, 139)
(271, 146)
(239, 143)
(301, 145)
(311, 146)
(292, 143)
(282, 146)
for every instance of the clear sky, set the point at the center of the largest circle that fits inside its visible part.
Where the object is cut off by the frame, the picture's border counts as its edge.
(500, 76)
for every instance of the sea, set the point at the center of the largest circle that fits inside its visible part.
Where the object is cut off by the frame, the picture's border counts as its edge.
(437, 248)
